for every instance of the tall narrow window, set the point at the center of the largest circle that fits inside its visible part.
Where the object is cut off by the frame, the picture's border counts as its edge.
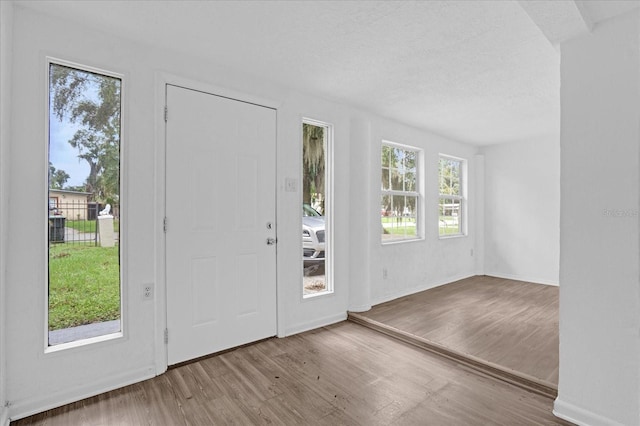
(399, 196)
(84, 285)
(452, 204)
(316, 211)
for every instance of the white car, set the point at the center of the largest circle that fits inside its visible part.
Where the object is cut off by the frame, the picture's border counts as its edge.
(312, 235)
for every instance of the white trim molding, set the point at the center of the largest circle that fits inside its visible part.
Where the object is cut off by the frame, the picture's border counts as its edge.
(312, 325)
(30, 406)
(516, 277)
(580, 416)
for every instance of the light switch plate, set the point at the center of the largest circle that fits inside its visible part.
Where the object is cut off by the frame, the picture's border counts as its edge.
(290, 184)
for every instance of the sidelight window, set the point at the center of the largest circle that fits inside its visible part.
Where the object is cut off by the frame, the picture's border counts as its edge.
(316, 208)
(84, 212)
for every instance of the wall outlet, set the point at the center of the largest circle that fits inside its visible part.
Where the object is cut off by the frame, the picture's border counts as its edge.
(385, 274)
(147, 292)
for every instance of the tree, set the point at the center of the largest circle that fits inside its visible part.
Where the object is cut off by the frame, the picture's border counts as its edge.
(57, 178)
(92, 101)
(313, 163)
(399, 168)
(449, 177)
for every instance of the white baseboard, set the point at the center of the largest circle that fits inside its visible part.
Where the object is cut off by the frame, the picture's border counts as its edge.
(417, 289)
(361, 308)
(580, 416)
(28, 407)
(535, 280)
(311, 325)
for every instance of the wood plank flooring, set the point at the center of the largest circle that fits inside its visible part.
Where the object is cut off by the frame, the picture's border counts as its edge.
(508, 323)
(343, 374)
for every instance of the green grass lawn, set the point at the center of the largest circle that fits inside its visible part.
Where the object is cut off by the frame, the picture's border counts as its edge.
(399, 225)
(88, 225)
(407, 226)
(402, 230)
(81, 225)
(451, 229)
(84, 285)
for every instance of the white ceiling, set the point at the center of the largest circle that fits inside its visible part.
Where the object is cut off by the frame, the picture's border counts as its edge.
(482, 72)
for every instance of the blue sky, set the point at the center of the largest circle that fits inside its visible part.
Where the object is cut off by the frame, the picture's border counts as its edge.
(62, 155)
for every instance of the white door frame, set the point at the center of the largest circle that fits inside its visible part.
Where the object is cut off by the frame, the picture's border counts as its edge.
(162, 79)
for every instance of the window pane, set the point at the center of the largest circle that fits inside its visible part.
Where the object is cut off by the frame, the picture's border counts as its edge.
(397, 157)
(449, 176)
(386, 156)
(385, 206)
(449, 215)
(410, 161)
(84, 207)
(385, 179)
(398, 217)
(397, 180)
(411, 207)
(410, 182)
(315, 239)
(398, 209)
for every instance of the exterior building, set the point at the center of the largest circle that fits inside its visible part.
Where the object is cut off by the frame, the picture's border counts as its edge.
(73, 205)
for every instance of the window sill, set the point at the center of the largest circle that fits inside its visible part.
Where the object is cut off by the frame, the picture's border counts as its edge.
(83, 342)
(394, 242)
(318, 294)
(451, 237)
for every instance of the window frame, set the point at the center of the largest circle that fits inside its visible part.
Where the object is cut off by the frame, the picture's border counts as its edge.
(328, 206)
(123, 198)
(462, 197)
(416, 194)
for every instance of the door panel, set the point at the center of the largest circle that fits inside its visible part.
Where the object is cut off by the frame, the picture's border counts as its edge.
(220, 183)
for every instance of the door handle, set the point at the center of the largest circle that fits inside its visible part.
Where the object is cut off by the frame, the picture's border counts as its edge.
(271, 241)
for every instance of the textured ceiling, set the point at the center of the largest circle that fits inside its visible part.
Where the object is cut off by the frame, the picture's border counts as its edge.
(481, 72)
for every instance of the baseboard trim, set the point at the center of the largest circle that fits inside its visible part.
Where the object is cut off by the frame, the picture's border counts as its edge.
(311, 325)
(361, 308)
(580, 416)
(418, 289)
(29, 407)
(521, 380)
(522, 278)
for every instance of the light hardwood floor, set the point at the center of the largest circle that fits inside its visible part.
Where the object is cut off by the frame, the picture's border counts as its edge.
(509, 323)
(343, 374)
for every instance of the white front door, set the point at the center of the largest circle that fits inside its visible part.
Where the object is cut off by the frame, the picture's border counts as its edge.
(220, 210)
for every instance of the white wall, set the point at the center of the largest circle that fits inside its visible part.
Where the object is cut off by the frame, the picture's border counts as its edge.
(522, 210)
(599, 379)
(36, 381)
(298, 314)
(6, 32)
(417, 265)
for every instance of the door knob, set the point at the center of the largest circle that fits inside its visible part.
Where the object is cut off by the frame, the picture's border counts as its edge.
(271, 241)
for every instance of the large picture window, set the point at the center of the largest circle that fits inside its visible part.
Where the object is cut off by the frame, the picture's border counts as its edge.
(400, 197)
(452, 205)
(83, 215)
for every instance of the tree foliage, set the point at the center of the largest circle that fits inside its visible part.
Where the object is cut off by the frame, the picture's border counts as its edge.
(313, 162)
(399, 173)
(57, 178)
(450, 176)
(91, 101)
